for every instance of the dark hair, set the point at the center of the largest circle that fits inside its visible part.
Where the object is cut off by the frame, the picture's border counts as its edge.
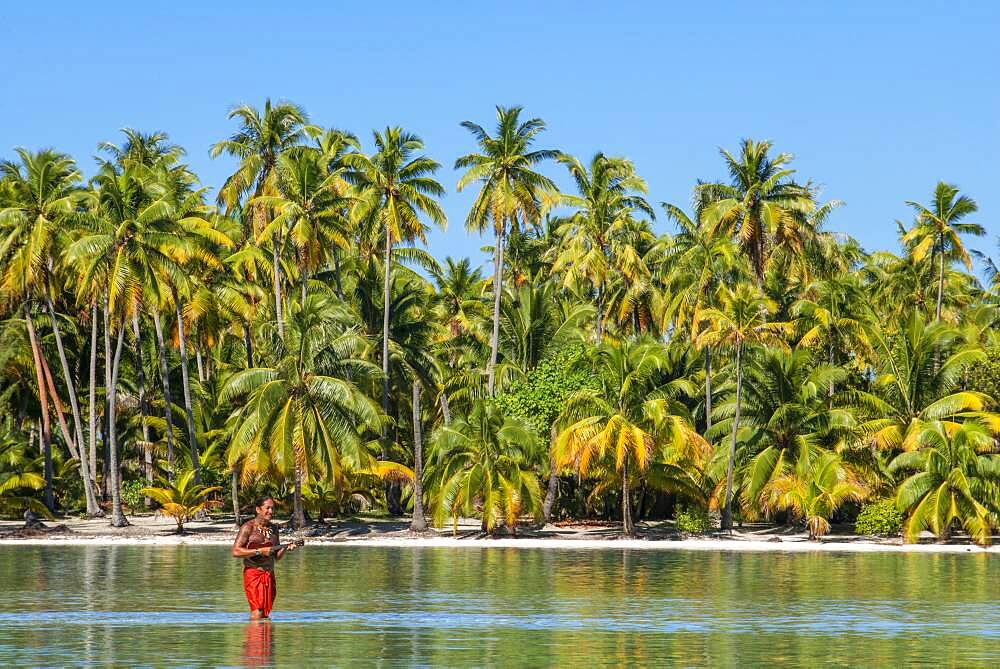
(262, 499)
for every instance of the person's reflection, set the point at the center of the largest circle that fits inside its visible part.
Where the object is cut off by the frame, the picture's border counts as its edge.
(257, 644)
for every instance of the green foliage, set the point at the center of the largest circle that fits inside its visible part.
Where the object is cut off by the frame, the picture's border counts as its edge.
(880, 518)
(540, 398)
(132, 496)
(692, 520)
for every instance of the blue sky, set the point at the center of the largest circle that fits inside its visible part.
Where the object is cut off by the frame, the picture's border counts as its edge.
(877, 103)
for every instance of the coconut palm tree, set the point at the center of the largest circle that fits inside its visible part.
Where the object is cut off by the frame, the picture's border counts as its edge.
(954, 480)
(813, 490)
(484, 463)
(302, 416)
(739, 323)
(510, 192)
(628, 417)
(596, 241)
(394, 187)
(761, 206)
(263, 136)
(182, 499)
(43, 195)
(938, 228)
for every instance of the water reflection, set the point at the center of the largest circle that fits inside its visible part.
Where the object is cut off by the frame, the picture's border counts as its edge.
(170, 606)
(258, 644)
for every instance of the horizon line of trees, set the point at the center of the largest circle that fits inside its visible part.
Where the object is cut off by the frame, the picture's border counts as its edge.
(295, 336)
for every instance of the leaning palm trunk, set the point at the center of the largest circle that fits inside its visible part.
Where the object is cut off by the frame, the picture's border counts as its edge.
(88, 489)
(167, 400)
(147, 447)
(727, 509)
(628, 525)
(117, 517)
(106, 480)
(419, 523)
(67, 376)
(45, 428)
(192, 440)
(497, 288)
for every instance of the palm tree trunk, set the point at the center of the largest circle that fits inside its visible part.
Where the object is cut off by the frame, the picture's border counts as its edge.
(336, 275)
(553, 489)
(108, 370)
(600, 314)
(45, 428)
(727, 510)
(236, 492)
(92, 398)
(298, 513)
(445, 408)
(304, 281)
(117, 517)
(628, 525)
(248, 345)
(419, 523)
(70, 385)
(147, 446)
(192, 439)
(167, 400)
(277, 285)
(392, 497)
(940, 292)
(81, 455)
(60, 412)
(198, 362)
(708, 389)
(497, 291)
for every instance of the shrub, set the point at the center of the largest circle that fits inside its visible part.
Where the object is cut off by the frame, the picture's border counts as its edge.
(879, 518)
(693, 521)
(132, 496)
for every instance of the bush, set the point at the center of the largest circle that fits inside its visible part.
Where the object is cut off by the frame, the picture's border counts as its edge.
(879, 518)
(692, 521)
(131, 495)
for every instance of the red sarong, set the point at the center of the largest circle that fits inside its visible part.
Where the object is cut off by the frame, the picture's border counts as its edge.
(260, 588)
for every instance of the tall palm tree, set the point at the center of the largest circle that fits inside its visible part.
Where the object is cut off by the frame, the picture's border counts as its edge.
(761, 206)
(738, 323)
(394, 187)
(509, 193)
(302, 416)
(628, 417)
(43, 194)
(938, 228)
(595, 241)
(261, 139)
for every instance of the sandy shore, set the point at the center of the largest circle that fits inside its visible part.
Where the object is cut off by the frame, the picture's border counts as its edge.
(159, 531)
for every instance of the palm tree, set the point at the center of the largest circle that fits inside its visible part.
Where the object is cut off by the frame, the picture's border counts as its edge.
(486, 461)
(627, 417)
(955, 480)
(509, 193)
(919, 370)
(182, 499)
(740, 322)
(263, 136)
(394, 188)
(595, 241)
(43, 195)
(761, 206)
(813, 490)
(938, 229)
(302, 413)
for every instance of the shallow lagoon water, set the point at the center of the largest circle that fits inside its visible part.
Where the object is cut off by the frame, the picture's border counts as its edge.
(386, 607)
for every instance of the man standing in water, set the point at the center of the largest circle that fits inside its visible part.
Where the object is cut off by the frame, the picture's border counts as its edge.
(257, 543)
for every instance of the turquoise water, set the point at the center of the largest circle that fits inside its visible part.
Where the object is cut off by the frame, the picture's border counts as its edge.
(386, 607)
